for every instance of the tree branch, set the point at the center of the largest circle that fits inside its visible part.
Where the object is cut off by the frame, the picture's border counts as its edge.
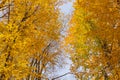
(62, 75)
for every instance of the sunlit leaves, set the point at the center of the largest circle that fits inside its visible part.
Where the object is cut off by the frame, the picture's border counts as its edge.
(100, 40)
(26, 35)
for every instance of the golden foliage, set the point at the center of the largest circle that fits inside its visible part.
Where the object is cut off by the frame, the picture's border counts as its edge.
(28, 29)
(95, 31)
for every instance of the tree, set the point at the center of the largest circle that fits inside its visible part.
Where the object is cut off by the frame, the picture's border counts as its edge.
(99, 55)
(28, 31)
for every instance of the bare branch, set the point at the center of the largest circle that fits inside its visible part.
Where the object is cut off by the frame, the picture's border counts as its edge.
(62, 75)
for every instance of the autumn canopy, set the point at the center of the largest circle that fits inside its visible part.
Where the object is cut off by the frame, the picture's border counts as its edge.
(32, 44)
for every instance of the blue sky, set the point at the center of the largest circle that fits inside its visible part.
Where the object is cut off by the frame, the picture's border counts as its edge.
(67, 10)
